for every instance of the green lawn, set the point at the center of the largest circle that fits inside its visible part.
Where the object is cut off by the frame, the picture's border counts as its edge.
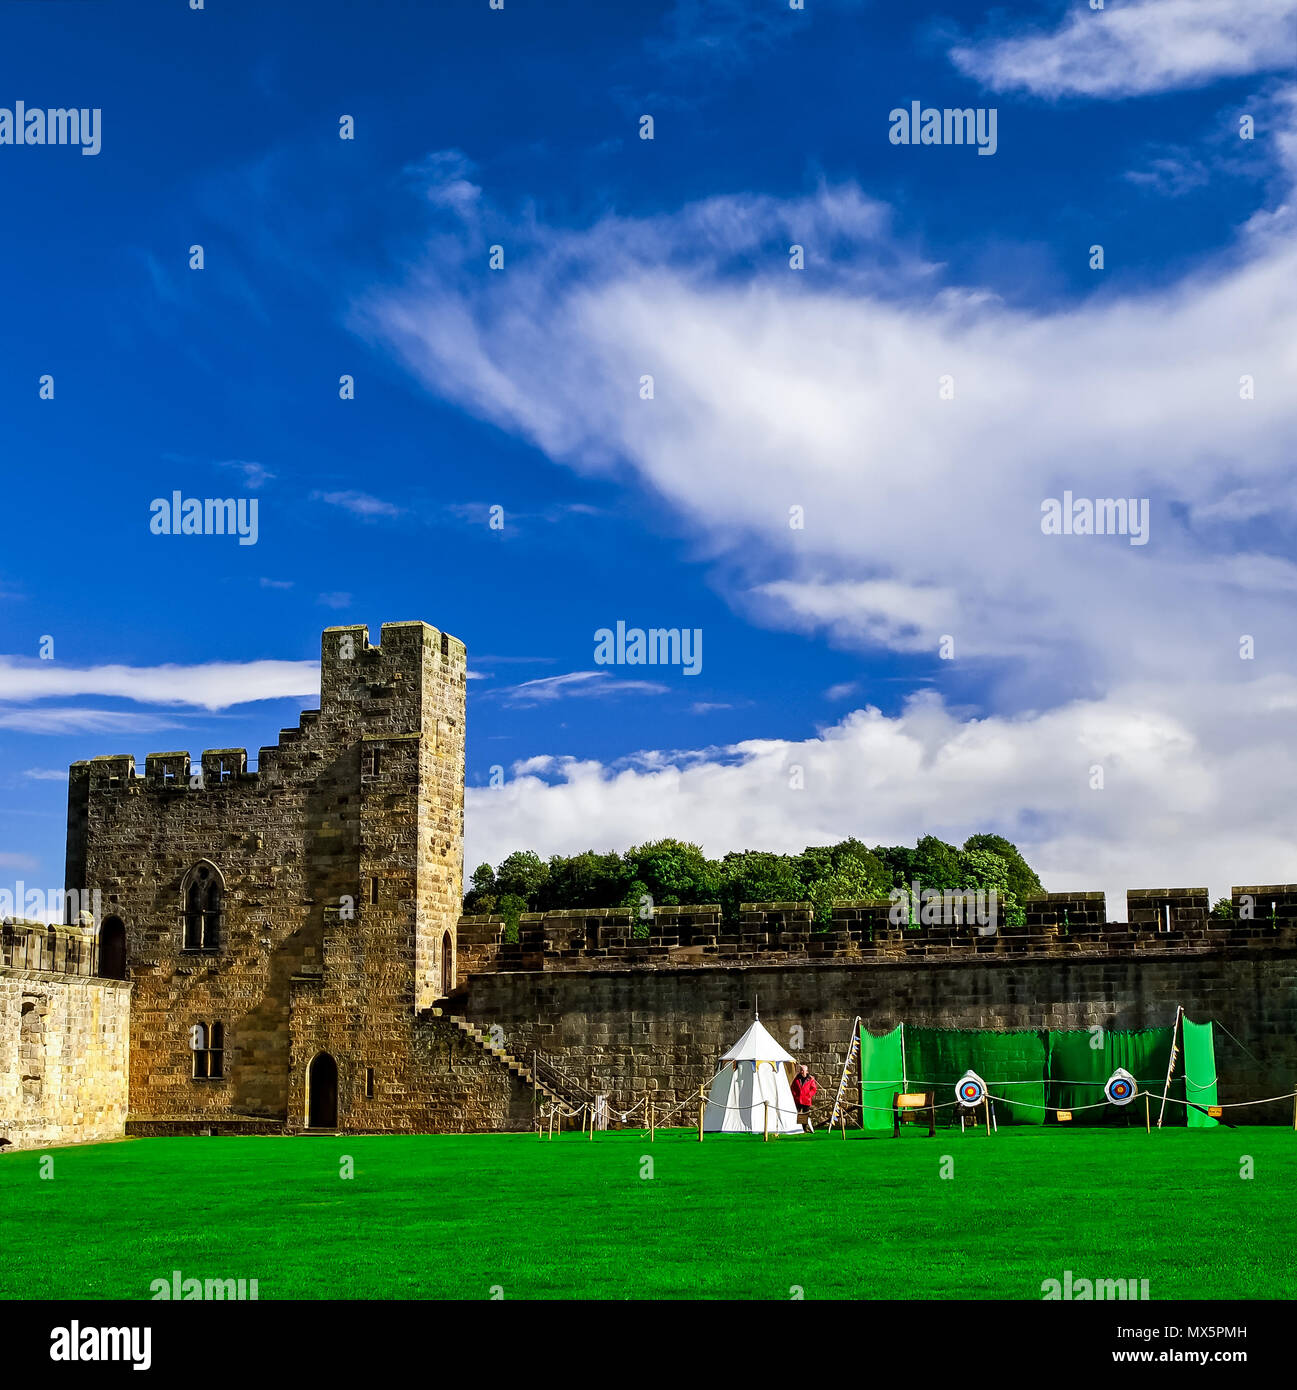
(451, 1216)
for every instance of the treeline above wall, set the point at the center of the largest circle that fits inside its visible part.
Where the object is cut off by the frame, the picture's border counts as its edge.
(668, 873)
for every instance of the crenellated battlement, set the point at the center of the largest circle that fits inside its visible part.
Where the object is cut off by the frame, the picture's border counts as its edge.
(1163, 921)
(62, 949)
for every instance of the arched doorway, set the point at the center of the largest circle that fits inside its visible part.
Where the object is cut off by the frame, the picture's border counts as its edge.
(112, 949)
(322, 1092)
(447, 964)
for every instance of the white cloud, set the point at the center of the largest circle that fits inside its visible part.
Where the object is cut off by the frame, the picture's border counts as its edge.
(922, 519)
(1136, 48)
(579, 683)
(359, 504)
(47, 774)
(213, 686)
(45, 719)
(255, 475)
(922, 515)
(1195, 797)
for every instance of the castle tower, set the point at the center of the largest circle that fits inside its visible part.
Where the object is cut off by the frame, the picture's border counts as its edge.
(307, 908)
(400, 708)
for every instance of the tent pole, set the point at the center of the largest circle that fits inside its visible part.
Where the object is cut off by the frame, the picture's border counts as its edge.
(702, 1105)
(765, 1123)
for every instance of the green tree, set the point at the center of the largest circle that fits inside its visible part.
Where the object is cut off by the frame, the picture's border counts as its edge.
(522, 874)
(481, 897)
(987, 871)
(758, 876)
(674, 872)
(1023, 881)
(511, 907)
(898, 861)
(937, 864)
(583, 880)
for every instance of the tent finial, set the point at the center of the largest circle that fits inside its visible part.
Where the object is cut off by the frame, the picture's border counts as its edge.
(756, 1005)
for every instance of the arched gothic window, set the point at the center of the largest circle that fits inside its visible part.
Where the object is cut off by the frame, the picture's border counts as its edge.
(203, 893)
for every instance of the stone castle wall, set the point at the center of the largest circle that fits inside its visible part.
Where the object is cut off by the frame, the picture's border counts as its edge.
(64, 1057)
(628, 1032)
(1159, 921)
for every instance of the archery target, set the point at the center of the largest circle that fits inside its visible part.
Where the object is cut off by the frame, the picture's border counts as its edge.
(1120, 1088)
(970, 1089)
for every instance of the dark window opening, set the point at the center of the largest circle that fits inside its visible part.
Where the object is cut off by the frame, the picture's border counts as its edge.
(203, 906)
(373, 890)
(369, 1083)
(112, 949)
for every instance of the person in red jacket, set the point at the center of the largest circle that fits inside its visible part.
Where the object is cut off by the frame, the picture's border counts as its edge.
(804, 1089)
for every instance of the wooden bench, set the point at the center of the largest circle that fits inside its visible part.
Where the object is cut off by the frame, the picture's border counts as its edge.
(911, 1105)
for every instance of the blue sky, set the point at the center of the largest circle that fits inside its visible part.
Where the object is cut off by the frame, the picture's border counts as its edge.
(774, 388)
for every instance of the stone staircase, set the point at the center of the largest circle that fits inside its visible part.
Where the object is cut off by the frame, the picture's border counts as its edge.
(549, 1085)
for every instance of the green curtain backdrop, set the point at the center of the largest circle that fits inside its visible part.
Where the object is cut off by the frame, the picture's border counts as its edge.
(1013, 1065)
(1029, 1070)
(1199, 1072)
(1074, 1059)
(881, 1073)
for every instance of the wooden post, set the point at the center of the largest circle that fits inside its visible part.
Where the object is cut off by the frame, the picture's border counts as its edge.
(551, 1120)
(652, 1122)
(987, 1104)
(765, 1121)
(1148, 1123)
(843, 1118)
(702, 1106)
(1294, 1112)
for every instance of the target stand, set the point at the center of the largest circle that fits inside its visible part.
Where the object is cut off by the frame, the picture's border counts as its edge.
(1120, 1089)
(970, 1097)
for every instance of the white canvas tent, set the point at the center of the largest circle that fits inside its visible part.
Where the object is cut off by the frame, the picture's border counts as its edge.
(752, 1076)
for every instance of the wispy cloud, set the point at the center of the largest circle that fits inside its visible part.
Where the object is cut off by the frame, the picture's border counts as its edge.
(597, 684)
(335, 600)
(45, 719)
(254, 474)
(213, 686)
(359, 504)
(46, 774)
(1136, 48)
